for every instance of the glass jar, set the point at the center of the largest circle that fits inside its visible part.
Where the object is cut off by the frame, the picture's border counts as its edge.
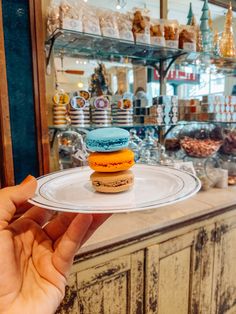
(71, 149)
(200, 140)
(207, 170)
(229, 141)
(149, 149)
(228, 162)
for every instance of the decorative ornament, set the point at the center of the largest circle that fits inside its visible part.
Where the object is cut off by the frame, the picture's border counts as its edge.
(99, 84)
(199, 40)
(205, 29)
(227, 45)
(210, 21)
(211, 34)
(190, 14)
(194, 22)
(216, 44)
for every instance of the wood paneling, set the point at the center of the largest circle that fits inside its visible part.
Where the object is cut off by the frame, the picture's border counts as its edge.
(6, 156)
(41, 110)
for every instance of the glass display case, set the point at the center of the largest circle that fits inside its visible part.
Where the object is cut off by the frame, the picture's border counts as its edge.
(185, 129)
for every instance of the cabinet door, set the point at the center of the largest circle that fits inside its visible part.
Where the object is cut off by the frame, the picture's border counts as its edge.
(179, 274)
(224, 300)
(115, 287)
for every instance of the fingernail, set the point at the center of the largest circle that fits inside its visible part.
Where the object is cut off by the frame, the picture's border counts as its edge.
(27, 179)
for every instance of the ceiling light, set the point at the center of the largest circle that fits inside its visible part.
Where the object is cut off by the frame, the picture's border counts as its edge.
(80, 85)
(77, 61)
(120, 4)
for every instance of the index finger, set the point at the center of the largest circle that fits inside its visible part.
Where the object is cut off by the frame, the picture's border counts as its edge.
(12, 198)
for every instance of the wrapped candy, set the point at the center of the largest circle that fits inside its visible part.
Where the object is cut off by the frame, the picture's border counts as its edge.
(71, 15)
(187, 38)
(157, 33)
(171, 29)
(91, 21)
(53, 19)
(108, 23)
(141, 27)
(124, 22)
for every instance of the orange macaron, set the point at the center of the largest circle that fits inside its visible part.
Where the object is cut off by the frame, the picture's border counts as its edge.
(111, 162)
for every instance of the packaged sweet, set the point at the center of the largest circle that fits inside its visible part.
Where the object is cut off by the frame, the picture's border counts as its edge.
(101, 110)
(79, 111)
(187, 38)
(171, 30)
(229, 144)
(157, 33)
(108, 23)
(71, 14)
(125, 23)
(91, 23)
(53, 19)
(141, 27)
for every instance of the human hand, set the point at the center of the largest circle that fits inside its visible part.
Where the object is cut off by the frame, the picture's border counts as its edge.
(37, 251)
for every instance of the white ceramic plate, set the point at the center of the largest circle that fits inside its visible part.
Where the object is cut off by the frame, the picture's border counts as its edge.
(71, 191)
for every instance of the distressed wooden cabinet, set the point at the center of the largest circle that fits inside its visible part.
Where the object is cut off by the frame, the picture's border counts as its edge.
(224, 284)
(174, 274)
(115, 286)
(190, 269)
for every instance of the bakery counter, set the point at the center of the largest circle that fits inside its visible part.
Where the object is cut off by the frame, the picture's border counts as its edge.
(138, 262)
(124, 227)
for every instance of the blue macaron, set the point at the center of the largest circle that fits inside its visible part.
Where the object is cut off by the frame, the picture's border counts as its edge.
(107, 139)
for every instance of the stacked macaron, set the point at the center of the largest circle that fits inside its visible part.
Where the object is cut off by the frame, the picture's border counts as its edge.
(110, 159)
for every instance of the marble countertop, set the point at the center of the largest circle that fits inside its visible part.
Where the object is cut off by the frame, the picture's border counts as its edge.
(121, 227)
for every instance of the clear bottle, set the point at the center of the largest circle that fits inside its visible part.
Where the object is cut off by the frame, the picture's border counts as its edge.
(70, 145)
(207, 170)
(150, 144)
(228, 162)
(135, 144)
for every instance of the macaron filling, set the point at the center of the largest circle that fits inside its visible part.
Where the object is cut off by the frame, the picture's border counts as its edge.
(106, 145)
(116, 183)
(101, 164)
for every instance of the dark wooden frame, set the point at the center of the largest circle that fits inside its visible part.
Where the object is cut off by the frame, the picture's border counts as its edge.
(6, 154)
(163, 9)
(224, 3)
(41, 110)
(39, 75)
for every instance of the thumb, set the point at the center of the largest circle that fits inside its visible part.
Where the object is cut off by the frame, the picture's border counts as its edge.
(12, 197)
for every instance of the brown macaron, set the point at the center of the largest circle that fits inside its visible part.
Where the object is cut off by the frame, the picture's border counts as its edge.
(114, 182)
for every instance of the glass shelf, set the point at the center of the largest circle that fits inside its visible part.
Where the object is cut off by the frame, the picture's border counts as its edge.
(218, 64)
(77, 44)
(88, 46)
(91, 127)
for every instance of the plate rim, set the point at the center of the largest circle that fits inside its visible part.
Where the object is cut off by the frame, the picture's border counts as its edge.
(63, 208)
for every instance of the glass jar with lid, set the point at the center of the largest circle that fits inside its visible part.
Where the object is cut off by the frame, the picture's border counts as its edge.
(200, 142)
(228, 152)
